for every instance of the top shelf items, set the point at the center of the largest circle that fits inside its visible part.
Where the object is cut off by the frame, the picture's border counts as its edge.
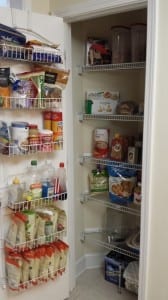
(41, 54)
(112, 67)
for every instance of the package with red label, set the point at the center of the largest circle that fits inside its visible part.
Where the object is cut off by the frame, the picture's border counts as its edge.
(101, 143)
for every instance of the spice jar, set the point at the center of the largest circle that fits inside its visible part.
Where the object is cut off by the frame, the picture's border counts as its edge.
(34, 138)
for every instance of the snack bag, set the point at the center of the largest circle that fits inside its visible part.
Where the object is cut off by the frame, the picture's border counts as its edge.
(13, 267)
(121, 184)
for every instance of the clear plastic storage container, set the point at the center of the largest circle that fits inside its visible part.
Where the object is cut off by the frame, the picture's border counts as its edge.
(138, 42)
(121, 46)
(131, 275)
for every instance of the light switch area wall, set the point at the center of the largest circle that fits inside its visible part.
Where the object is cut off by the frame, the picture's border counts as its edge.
(41, 6)
(57, 4)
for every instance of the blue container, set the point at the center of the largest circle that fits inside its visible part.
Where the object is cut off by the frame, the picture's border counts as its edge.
(115, 265)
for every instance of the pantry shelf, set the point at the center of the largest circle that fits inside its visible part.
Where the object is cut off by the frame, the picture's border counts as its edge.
(40, 54)
(124, 118)
(14, 149)
(114, 67)
(44, 278)
(108, 162)
(101, 239)
(35, 203)
(20, 103)
(42, 240)
(103, 200)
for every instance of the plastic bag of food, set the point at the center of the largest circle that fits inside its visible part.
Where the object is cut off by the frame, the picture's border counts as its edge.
(98, 180)
(55, 77)
(12, 232)
(44, 261)
(30, 227)
(32, 85)
(121, 184)
(62, 220)
(13, 268)
(51, 260)
(30, 257)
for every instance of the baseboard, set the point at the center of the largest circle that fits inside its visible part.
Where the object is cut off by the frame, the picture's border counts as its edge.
(89, 261)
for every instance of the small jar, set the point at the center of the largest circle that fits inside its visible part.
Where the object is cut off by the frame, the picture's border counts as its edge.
(34, 138)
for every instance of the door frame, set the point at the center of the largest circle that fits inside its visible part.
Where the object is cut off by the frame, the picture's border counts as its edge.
(92, 9)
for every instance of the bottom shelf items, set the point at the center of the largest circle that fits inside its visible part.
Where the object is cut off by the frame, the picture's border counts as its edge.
(122, 271)
(102, 238)
(35, 266)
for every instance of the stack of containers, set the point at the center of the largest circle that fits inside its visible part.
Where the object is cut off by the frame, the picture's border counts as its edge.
(53, 121)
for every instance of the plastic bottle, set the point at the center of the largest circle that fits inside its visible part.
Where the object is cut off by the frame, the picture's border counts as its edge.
(47, 179)
(33, 180)
(60, 182)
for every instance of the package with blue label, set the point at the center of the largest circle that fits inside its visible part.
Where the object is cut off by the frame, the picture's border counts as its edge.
(121, 184)
(11, 35)
(101, 102)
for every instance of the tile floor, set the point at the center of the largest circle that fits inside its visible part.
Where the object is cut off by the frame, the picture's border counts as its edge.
(92, 286)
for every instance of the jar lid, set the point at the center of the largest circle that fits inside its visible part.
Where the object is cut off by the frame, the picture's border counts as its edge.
(33, 126)
(19, 124)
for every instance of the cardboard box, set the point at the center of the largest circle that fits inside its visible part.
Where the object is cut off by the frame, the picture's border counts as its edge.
(97, 51)
(101, 102)
(115, 265)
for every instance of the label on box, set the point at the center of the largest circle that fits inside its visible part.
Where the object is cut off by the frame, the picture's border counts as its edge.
(101, 102)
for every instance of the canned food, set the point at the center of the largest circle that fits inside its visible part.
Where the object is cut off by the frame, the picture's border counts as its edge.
(46, 140)
(47, 119)
(56, 122)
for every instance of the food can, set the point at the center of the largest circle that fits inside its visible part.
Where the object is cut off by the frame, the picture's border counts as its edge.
(46, 140)
(34, 138)
(56, 122)
(47, 119)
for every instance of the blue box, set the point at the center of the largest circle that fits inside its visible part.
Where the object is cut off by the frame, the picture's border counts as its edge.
(115, 265)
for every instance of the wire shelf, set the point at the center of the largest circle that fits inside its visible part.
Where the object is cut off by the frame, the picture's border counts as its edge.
(44, 278)
(42, 55)
(13, 149)
(17, 103)
(103, 200)
(35, 203)
(124, 118)
(34, 243)
(114, 67)
(101, 239)
(108, 162)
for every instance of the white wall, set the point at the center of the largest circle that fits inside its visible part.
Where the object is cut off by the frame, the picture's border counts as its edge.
(41, 6)
(157, 287)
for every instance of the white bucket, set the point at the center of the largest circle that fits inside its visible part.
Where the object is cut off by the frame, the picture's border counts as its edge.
(19, 135)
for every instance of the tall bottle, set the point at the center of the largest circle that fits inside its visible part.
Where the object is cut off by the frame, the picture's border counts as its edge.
(60, 182)
(33, 180)
(47, 176)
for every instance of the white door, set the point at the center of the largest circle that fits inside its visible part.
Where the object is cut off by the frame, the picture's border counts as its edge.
(51, 28)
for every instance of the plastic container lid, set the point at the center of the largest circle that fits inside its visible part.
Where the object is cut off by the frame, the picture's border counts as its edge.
(61, 165)
(33, 162)
(20, 124)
